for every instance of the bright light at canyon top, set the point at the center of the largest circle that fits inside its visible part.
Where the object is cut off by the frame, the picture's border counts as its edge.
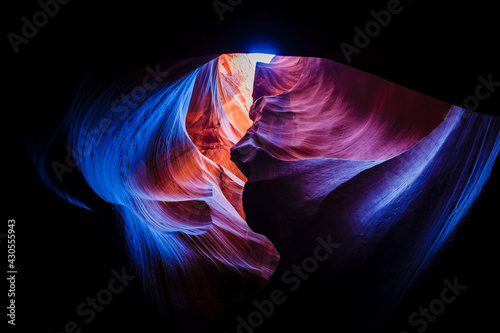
(261, 57)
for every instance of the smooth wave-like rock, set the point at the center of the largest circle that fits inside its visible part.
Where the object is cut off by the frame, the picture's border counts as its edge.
(230, 165)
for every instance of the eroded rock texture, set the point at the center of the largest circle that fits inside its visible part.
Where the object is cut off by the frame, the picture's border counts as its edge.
(226, 167)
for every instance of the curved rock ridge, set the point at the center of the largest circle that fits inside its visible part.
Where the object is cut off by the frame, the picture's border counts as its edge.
(228, 166)
(325, 109)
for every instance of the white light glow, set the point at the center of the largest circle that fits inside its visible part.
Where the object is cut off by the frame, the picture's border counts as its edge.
(261, 57)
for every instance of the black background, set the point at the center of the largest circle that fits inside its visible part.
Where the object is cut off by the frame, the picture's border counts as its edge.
(65, 254)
